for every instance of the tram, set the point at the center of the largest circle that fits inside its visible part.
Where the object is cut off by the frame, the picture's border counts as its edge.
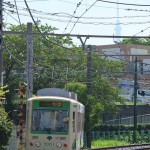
(55, 121)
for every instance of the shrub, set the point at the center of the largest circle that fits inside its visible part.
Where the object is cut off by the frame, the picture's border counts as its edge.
(5, 128)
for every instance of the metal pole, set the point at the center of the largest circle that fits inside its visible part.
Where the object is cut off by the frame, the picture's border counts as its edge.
(1, 51)
(135, 100)
(29, 60)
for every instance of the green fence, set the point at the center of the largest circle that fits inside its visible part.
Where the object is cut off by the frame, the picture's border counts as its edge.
(125, 136)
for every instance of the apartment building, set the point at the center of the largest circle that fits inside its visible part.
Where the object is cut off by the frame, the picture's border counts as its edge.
(127, 53)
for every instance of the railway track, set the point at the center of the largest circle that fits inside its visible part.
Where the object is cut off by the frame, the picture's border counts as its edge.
(127, 147)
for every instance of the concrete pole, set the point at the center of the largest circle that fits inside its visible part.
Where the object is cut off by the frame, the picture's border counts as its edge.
(89, 86)
(29, 61)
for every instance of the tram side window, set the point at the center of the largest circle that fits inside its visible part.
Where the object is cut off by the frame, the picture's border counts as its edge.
(73, 122)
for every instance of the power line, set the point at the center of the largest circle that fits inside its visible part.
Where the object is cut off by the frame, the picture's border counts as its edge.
(39, 29)
(69, 15)
(82, 15)
(122, 3)
(141, 31)
(11, 16)
(18, 15)
(91, 23)
(77, 35)
(73, 15)
(32, 1)
(105, 6)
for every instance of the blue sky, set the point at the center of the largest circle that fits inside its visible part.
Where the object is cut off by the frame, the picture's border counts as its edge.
(96, 18)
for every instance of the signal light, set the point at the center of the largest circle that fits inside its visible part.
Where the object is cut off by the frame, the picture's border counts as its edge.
(31, 143)
(65, 145)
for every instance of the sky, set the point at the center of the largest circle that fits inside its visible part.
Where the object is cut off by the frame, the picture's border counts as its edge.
(84, 17)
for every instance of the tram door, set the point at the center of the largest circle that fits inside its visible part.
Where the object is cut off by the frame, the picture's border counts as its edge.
(76, 135)
(74, 130)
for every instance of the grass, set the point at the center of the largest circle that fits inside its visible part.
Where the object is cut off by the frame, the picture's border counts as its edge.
(107, 143)
(129, 103)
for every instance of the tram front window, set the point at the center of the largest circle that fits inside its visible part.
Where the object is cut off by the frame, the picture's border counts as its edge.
(50, 120)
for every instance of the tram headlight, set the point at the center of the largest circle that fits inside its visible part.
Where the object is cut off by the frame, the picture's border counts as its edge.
(38, 144)
(59, 145)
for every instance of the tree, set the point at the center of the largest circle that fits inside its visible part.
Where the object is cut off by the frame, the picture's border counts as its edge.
(56, 60)
(53, 58)
(102, 97)
(145, 41)
(5, 124)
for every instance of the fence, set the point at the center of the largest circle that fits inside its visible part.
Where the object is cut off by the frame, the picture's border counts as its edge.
(130, 120)
(127, 137)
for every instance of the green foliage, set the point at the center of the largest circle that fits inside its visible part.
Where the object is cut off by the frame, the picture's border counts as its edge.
(5, 127)
(145, 42)
(58, 61)
(101, 97)
(3, 91)
(5, 123)
(50, 63)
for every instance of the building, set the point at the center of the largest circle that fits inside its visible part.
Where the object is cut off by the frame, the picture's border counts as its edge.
(127, 53)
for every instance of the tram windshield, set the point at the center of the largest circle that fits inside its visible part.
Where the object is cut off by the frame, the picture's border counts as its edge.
(50, 120)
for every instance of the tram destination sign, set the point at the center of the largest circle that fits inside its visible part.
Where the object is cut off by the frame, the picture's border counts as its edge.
(50, 104)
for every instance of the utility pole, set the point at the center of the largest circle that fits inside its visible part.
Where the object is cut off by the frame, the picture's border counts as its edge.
(89, 86)
(29, 60)
(135, 101)
(1, 50)
(83, 43)
(89, 68)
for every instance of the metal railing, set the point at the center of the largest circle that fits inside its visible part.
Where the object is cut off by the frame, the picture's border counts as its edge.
(141, 119)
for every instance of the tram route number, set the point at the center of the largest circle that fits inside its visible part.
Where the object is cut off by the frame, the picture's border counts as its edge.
(49, 144)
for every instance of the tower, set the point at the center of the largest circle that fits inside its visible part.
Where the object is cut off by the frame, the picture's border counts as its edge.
(118, 27)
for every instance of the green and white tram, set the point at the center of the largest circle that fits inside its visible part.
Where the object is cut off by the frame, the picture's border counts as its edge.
(54, 122)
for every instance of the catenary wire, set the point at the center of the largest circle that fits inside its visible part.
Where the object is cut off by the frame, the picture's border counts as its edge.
(39, 29)
(82, 15)
(18, 15)
(73, 15)
(86, 22)
(66, 15)
(122, 3)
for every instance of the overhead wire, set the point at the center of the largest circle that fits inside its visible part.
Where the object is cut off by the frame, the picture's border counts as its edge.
(105, 6)
(142, 31)
(123, 3)
(11, 16)
(18, 15)
(30, 1)
(66, 15)
(82, 15)
(40, 31)
(85, 22)
(73, 15)
(15, 58)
